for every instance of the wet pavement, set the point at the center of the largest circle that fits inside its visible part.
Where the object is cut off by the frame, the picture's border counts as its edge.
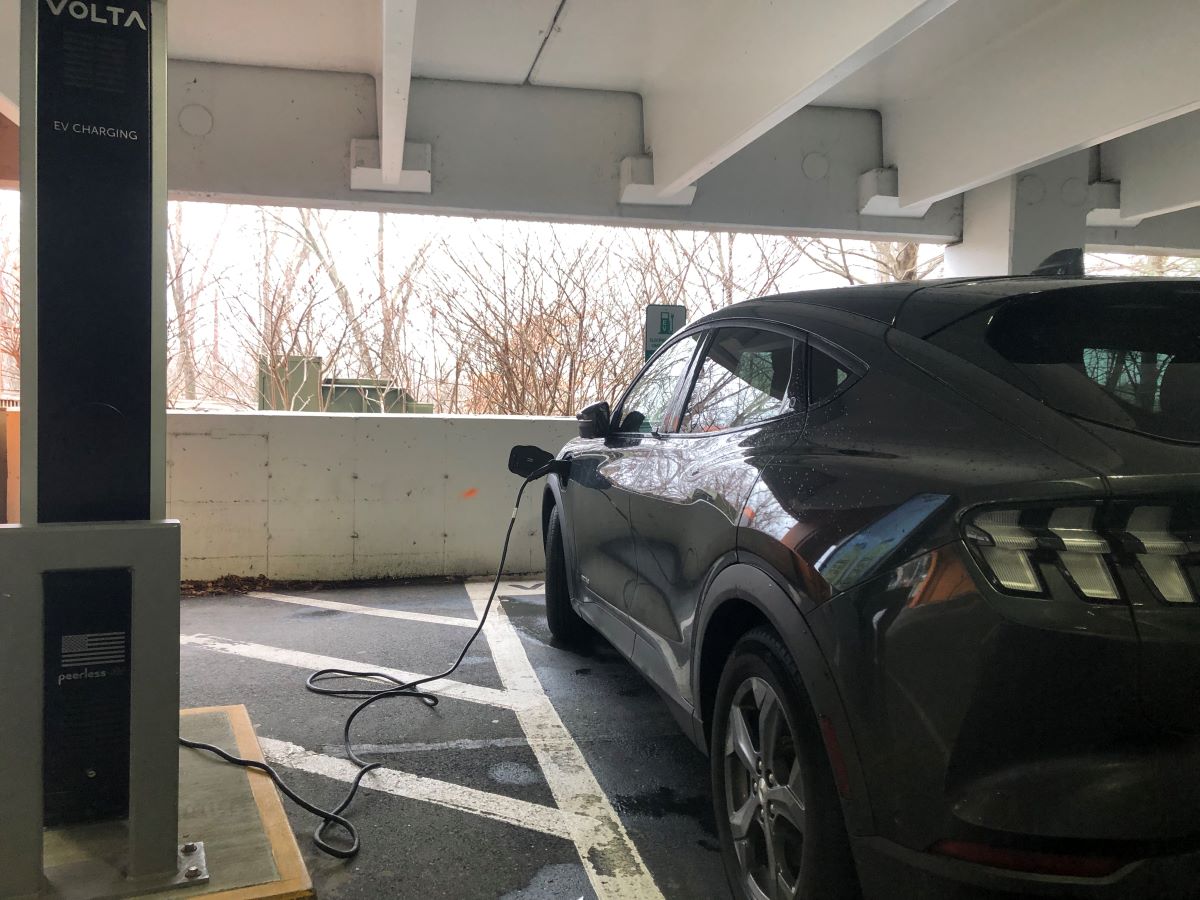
(542, 773)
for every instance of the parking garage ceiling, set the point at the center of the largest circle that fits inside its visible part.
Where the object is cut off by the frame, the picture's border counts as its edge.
(865, 117)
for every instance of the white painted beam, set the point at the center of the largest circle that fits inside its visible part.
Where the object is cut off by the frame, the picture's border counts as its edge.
(637, 185)
(366, 173)
(393, 81)
(1104, 202)
(10, 60)
(1158, 167)
(399, 23)
(879, 195)
(1080, 73)
(1174, 234)
(747, 66)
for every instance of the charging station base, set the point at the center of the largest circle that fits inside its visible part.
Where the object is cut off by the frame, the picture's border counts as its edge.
(245, 846)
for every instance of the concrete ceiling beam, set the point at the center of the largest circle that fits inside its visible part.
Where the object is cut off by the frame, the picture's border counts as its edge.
(281, 137)
(747, 66)
(1080, 73)
(1157, 167)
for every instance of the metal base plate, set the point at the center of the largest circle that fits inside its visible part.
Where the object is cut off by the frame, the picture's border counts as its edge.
(193, 865)
(99, 879)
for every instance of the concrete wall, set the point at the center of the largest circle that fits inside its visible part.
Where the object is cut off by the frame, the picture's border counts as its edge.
(310, 496)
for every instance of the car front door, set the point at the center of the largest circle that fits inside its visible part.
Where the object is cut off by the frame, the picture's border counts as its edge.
(603, 478)
(693, 482)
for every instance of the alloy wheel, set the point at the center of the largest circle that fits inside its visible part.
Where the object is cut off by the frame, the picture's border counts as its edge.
(764, 792)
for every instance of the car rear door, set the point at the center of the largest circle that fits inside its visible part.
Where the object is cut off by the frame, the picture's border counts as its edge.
(693, 481)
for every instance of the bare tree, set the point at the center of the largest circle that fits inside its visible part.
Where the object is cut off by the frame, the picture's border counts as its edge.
(399, 358)
(868, 263)
(190, 282)
(1158, 266)
(535, 327)
(10, 310)
(290, 321)
(378, 338)
(538, 321)
(312, 229)
(705, 271)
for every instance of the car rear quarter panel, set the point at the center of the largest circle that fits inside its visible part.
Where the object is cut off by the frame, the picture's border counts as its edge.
(874, 482)
(881, 469)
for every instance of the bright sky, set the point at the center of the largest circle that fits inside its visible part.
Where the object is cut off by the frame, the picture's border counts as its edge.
(235, 235)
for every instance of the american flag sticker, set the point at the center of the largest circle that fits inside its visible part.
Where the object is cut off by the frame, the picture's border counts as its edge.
(99, 649)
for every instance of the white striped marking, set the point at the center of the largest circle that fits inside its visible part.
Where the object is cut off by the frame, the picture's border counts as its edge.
(584, 816)
(611, 860)
(510, 810)
(459, 690)
(431, 746)
(411, 616)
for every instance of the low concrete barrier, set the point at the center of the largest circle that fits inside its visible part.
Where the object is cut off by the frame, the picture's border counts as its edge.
(325, 497)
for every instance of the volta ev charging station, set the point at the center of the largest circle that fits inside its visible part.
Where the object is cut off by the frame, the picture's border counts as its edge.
(89, 582)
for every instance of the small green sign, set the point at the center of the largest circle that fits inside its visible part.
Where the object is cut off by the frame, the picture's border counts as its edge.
(662, 321)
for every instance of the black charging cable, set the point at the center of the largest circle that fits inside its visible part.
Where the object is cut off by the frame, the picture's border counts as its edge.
(368, 697)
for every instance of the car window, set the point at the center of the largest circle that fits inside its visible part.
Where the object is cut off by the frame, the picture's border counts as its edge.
(826, 376)
(1127, 355)
(744, 378)
(648, 401)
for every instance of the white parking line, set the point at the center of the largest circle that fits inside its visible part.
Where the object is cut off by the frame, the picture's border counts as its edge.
(459, 690)
(499, 743)
(611, 860)
(584, 815)
(522, 813)
(411, 616)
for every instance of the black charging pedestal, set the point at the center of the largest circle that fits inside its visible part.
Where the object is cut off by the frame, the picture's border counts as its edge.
(89, 581)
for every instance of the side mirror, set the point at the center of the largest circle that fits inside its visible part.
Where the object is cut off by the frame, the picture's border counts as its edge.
(594, 421)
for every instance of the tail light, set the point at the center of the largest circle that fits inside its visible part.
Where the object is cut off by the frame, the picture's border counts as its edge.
(1094, 546)
(1161, 550)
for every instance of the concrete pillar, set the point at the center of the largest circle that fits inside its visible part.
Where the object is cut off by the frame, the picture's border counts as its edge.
(1011, 225)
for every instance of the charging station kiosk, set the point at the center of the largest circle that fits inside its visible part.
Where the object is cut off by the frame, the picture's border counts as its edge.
(89, 582)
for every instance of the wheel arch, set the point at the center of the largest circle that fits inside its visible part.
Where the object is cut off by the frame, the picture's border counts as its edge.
(552, 497)
(743, 596)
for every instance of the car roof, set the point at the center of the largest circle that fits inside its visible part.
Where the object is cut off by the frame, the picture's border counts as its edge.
(883, 302)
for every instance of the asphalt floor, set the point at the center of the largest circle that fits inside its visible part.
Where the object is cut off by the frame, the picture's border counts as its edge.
(542, 773)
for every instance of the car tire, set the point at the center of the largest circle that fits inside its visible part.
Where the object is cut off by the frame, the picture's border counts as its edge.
(794, 830)
(566, 625)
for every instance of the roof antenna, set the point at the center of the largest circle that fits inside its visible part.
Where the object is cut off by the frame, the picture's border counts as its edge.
(1068, 263)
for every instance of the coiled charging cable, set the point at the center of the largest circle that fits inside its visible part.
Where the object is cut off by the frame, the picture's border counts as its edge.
(314, 683)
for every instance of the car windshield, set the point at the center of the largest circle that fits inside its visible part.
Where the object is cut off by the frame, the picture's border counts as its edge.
(1125, 354)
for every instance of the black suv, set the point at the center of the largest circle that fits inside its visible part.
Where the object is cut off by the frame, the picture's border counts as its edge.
(918, 565)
